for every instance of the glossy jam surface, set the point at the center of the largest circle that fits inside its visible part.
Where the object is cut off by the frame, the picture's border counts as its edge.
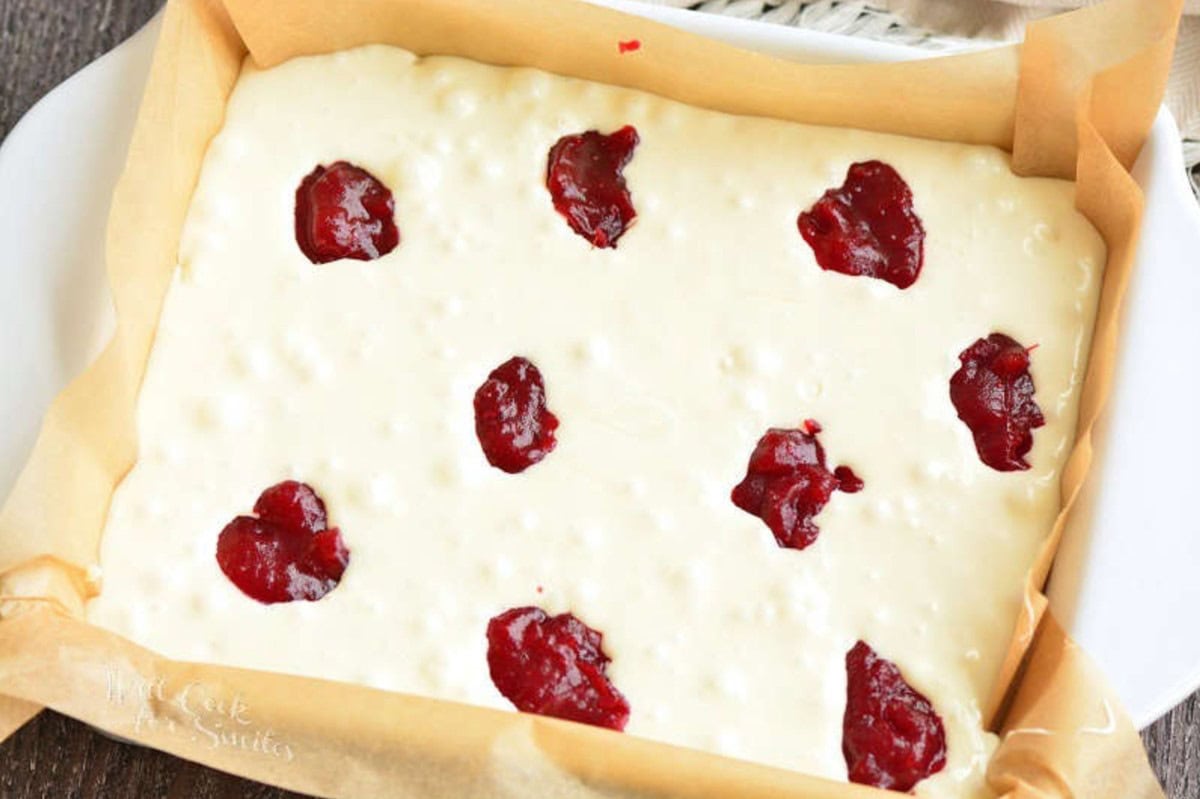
(343, 211)
(514, 427)
(867, 226)
(993, 393)
(787, 484)
(891, 735)
(585, 176)
(286, 551)
(553, 666)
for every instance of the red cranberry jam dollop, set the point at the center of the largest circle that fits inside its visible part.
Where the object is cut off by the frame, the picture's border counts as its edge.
(587, 187)
(343, 211)
(286, 551)
(867, 227)
(787, 484)
(553, 666)
(891, 735)
(993, 394)
(514, 427)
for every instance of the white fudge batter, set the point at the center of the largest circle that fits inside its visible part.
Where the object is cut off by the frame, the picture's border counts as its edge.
(665, 360)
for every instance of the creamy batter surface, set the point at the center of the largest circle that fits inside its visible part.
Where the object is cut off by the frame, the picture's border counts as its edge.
(664, 359)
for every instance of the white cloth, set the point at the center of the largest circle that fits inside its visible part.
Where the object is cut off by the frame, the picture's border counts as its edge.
(992, 19)
(952, 24)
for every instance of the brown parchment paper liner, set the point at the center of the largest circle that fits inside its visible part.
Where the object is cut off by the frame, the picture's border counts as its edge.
(1075, 100)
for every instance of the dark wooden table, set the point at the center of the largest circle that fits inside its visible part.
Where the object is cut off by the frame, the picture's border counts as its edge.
(41, 43)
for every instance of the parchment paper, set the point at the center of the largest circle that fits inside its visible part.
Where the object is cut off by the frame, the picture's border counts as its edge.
(1076, 100)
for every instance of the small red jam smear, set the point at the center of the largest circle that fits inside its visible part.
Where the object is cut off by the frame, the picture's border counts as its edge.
(286, 551)
(343, 211)
(787, 484)
(867, 226)
(585, 182)
(628, 47)
(514, 427)
(891, 736)
(993, 394)
(553, 666)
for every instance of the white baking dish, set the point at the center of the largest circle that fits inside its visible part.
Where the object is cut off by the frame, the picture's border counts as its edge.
(1124, 581)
